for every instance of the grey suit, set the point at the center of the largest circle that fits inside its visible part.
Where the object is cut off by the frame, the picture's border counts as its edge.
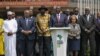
(74, 41)
(63, 21)
(90, 25)
(26, 43)
(74, 30)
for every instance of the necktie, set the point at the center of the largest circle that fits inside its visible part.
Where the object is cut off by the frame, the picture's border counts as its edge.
(87, 17)
(58, 17)
(26, 22)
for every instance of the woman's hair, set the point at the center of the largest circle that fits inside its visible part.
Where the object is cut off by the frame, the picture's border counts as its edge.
(70, 19)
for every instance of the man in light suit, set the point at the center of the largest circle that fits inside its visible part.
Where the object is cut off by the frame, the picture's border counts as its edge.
(26, 40)
(59, 19)
(88, 33)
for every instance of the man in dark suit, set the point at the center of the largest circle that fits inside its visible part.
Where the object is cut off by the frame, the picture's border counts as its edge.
(59, 19)
(88, 33)
(76, 13)
(67, 13)
(97, 34)
(26, 28)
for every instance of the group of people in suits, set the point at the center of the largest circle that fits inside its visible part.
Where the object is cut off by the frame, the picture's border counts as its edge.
(22, 34)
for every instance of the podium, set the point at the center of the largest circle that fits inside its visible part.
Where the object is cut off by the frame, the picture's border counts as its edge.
(59, 38)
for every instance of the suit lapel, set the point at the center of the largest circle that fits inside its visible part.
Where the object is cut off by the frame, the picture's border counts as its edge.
(24, 21)
(60, 17)
(90, 18)
(85, 18)
(55, 18)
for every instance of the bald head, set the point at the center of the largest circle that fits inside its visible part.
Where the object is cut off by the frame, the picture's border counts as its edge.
(27, 13)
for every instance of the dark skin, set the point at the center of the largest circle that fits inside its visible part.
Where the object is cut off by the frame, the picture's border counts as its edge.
(87, 12)
(27, 15)
(1, 32)
(31, 12)
(42, 12)
(76, 11)
(58, 10)
(13, 15)
(67, 12)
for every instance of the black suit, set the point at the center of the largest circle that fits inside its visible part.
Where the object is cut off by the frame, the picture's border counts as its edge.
(90, 25)
(97, 35)
(26, 43)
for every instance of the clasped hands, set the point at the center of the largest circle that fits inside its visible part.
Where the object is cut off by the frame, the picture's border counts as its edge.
(26, 32)
(43, 31)
(88, 31)
(10, 33)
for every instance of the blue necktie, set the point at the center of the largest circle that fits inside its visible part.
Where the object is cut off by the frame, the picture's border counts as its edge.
(27, 22)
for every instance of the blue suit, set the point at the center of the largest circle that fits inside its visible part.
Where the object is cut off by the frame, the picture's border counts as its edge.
(26, 43)
(63, 22)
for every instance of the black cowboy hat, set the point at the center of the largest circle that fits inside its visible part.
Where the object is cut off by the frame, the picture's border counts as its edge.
(42, 8)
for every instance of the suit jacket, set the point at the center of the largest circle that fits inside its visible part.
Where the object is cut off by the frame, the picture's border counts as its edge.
(78, 19)
(74, 30)
(90, 25)
(63, 22)
(97, 26)
(22, 26)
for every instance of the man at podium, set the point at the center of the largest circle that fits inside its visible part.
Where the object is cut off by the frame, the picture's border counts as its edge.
(59, 19)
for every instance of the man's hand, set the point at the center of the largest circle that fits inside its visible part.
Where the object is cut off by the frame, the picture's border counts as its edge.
(25, 32)
(1, 32)
(10, 33)
(74, 35)
(86, 30)
(40, 31)
(45, 30)
(29, 31)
